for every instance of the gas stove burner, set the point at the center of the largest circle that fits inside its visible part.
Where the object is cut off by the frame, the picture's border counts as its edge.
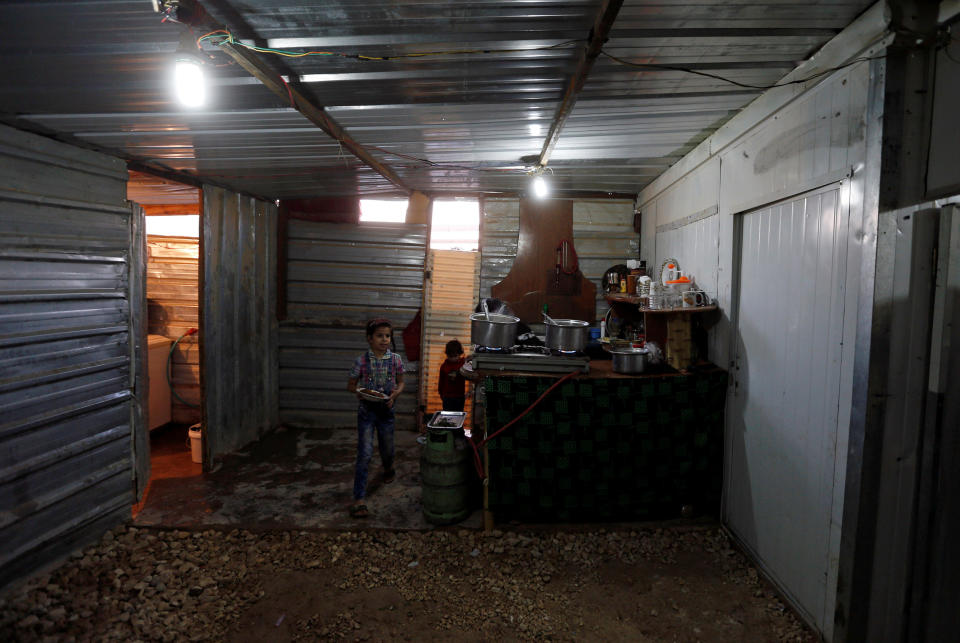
(557, 351)
(492, 349)
(532, 349)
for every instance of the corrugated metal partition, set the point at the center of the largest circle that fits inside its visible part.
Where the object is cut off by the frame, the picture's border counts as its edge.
(238, 320)
(65, 351)
(173, 274)
(450, 298)
(602, 236)
(785, 442)
(338, 277)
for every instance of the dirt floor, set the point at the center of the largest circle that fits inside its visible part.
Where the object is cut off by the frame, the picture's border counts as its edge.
(685, 584)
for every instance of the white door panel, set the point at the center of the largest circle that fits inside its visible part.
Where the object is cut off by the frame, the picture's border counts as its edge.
(782, 432)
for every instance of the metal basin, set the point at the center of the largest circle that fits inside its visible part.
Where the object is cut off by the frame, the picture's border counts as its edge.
(567, 334)
(500, 331)
(629, 360)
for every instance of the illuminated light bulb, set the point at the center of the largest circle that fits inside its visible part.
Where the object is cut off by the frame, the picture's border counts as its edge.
(189, 83)
(540, 188)
(535, 129)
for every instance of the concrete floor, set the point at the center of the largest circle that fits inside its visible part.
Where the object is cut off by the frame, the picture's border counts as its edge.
(290, 479)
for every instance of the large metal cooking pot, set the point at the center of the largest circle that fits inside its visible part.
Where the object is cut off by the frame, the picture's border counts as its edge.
(629, 360)
(499, 331)
(567, 334)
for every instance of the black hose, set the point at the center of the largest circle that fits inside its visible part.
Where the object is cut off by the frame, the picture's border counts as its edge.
(169, 371)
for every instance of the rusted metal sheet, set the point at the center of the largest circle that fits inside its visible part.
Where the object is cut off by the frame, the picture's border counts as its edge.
(339, 276)
(450, 298)
(162, 196)
(173, 274)
(238, 328)
(65, 350)
(602, 236)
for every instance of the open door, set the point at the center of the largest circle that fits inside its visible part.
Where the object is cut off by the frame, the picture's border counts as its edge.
(238, 323)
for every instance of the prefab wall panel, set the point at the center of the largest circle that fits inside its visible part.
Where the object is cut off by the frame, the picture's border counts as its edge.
(821, 137)
(696, 247)
(238, 324)
(173, 285)
(66, 359)
(603, 236)
(339, 276)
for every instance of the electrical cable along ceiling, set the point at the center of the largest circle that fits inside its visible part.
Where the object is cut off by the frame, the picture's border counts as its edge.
(455, 97)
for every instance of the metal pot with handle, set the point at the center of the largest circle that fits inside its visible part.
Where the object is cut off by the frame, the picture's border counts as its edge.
(494, 330)
(567, 334)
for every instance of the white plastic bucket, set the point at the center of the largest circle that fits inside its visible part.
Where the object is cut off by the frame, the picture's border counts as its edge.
(196, 443)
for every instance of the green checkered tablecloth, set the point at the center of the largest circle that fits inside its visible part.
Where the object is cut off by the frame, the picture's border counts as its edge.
(606, 449)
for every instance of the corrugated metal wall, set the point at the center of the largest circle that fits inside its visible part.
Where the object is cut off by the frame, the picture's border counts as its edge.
(238, 320)
(338, 277)
(602, 236)
(450, 298)
(173, 278)
(65, 352)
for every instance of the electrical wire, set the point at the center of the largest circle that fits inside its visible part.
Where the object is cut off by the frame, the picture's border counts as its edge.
(687, 70)
(225, 36)
(169, 370)
(221, 36)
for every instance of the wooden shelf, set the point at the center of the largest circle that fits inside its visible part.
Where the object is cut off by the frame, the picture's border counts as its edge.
(695, 309)
(621, 298)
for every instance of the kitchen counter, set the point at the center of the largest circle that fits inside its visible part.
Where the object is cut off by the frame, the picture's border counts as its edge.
(599, 369)
(605, 446)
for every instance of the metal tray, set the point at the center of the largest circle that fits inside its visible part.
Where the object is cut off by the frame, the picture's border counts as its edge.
(451, 420)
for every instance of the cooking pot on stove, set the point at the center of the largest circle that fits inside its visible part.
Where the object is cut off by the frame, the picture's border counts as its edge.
(493, 330)
(567, 334)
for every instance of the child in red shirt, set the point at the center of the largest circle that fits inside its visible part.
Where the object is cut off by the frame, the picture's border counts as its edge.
(451, 383)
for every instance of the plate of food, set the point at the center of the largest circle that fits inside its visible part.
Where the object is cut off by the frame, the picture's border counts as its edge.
(372, 396)
(447, 420)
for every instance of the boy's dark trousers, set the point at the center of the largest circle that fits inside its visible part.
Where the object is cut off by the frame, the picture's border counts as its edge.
(453, 403)
(372, 417)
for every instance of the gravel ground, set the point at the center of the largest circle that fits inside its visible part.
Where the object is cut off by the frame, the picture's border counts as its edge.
(640, 585)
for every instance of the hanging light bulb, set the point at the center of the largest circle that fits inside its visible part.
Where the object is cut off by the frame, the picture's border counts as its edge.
(189, 84)
(540, 187)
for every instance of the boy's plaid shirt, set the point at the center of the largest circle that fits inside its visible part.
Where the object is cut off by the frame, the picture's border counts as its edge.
(374, 372)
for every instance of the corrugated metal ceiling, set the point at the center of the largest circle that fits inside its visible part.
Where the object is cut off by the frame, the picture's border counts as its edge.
(97, 70)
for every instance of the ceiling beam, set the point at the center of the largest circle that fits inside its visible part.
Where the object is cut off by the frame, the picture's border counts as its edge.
(314, 113)
(285, 89)
(598, 35)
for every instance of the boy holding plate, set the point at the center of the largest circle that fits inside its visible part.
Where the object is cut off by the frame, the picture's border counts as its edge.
(377, 379)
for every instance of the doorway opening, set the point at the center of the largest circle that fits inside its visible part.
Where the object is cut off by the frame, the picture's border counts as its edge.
(172, 407)
(450, 292)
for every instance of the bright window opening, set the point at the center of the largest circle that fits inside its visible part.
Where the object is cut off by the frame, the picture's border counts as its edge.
(176, 225)
(383, 210)
(456, 225)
